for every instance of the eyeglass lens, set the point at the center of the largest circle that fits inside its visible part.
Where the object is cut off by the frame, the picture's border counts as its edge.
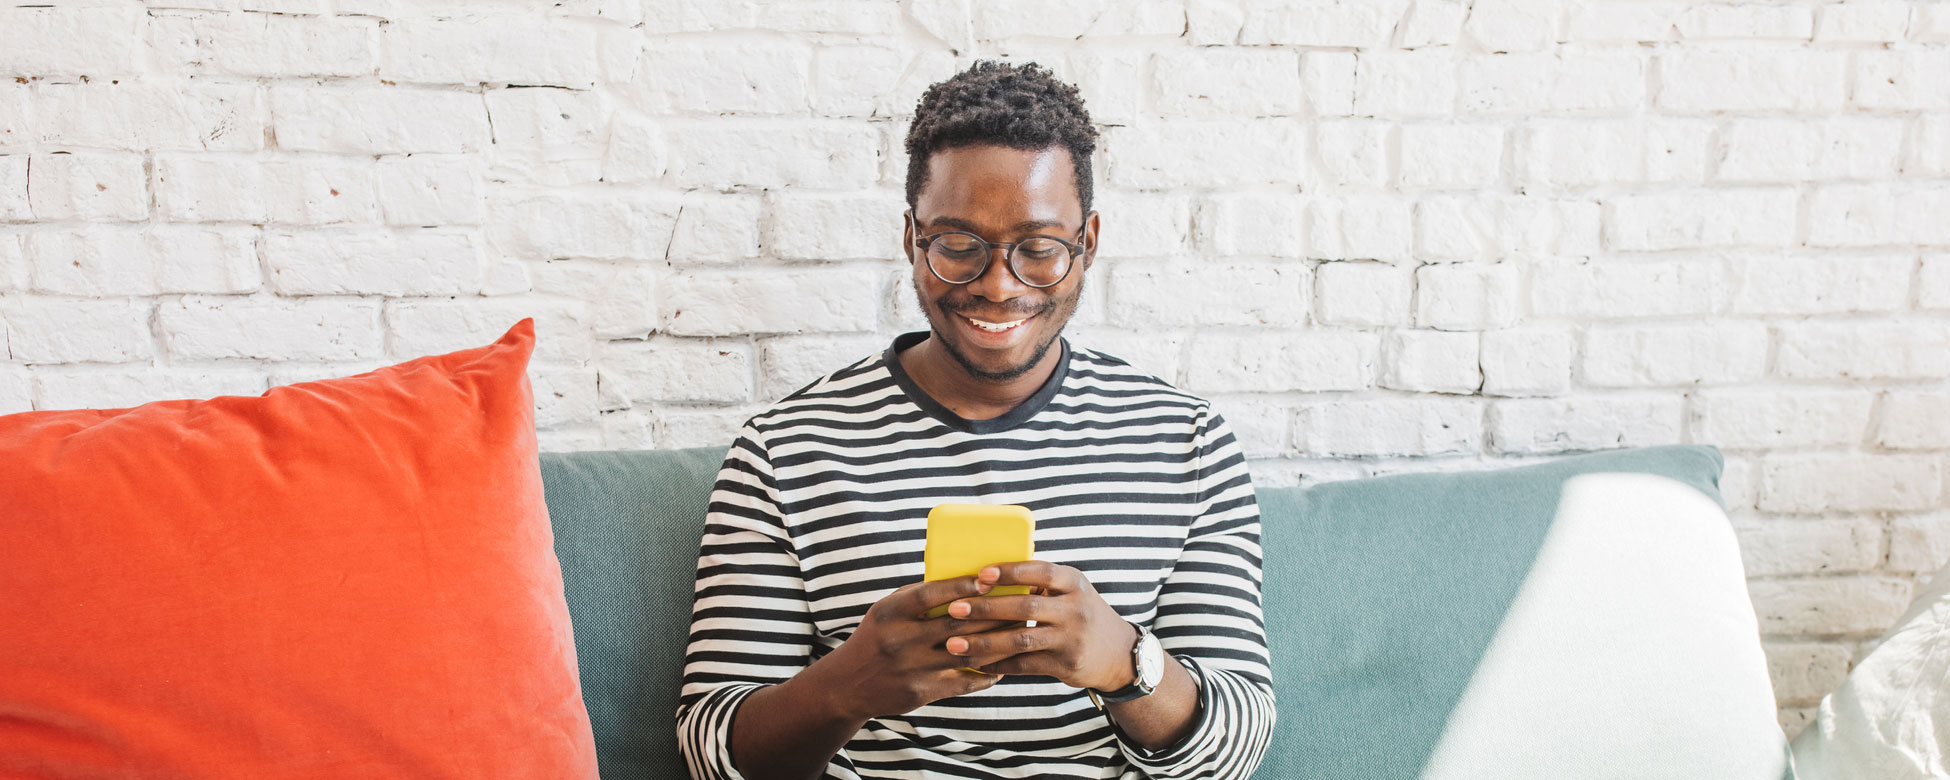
(958, 258)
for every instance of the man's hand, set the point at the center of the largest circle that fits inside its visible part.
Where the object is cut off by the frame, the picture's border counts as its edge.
(895, 660)
(1078, 638)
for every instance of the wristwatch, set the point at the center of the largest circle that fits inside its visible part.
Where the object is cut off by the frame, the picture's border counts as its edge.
(1149, 659)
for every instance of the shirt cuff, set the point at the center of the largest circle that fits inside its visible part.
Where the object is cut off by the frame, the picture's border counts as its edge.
(1177, 752)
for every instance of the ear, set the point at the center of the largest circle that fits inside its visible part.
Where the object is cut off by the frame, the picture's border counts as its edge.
(907, 235)
(1090, 225)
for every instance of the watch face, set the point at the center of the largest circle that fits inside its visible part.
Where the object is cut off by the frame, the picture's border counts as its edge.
(1151, 661)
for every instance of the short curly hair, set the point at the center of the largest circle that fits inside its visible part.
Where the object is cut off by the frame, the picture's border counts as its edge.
(1018, 106)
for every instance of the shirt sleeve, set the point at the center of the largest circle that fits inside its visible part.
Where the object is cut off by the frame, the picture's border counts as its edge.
(1209, 618)
(751, 625)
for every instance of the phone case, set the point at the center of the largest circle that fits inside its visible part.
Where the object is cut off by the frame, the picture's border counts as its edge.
(963, 538)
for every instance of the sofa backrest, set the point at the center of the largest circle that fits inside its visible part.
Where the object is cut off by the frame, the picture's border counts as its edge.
(1380, 596)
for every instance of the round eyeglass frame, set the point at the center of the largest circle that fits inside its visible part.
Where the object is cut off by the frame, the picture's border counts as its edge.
(988, 256)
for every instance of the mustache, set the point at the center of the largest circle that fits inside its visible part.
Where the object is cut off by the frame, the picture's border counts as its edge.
(969, 307)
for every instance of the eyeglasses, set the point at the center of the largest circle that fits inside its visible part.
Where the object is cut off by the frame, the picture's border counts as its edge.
(957, 257)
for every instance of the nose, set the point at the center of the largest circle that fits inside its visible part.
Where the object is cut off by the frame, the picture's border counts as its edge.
(997, 282)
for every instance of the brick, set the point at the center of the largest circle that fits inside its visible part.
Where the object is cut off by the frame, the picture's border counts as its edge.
(1466, 296)
(629, 430)
(130, 116)
(1305, 361)
(1914, 420)
(1214, 154)
(1933, 283)
(1209, 293)
(1531, 361)
(424, 190)
(1004, 19)
(54, 330)
(787, 363)
(15, 131)
(1322, 22)
(1362, 227)
(716, 228)
(255, 328)
(549, 136)
(1327, 79)
(727, 303)
(40, 42)
(264, 45)
(1254, 224)
(1771, 150)
(1433, 23)
(373, 262)
(563, 397)
(835, 17)
(1259, 423)
(292, 191)
(1824, 284)
(1135, 224)
(16, 388)
(1881, 214)
(1512, 25)
(1113, 78)
(767, 78)
(1863, 350)
(590, 225)
(88, 187)
(1218, 83)
(117, 387)
(1614, 289)
(1488, 227)
(1444, 156)
(1213, 22)
(834, 227)
(1919, 544)
(1550, 425)
(1747, 21)
(1576, 154)
(1404, 84)
(1622, 22)
(1394, 426)
(1819, 607)
(113, 260)
(495, 49)
(1573, 84)
(1689, 219)
(1930, 153)
(14, 206)
(1365, 294)
(1803, 672)
(1351, 153)
(723, 154)
(1862, 22)
(13, 266)
(1905, 80)
(853, 81)
(1789, 546)
(378, 120)
(1795, 81)
(1782, 419)
(679, 428)
(433, 327)
(294, 373)
(1930, 24)
(1657, 355)
(666, 370)
(622, 297)
(1818, 484)
(1740, 485)
(637, 152)
(1432, 362)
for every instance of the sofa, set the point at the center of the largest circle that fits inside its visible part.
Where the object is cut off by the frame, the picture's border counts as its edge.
(1434, 625)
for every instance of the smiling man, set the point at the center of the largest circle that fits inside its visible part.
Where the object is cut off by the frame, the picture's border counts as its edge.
(809, 653)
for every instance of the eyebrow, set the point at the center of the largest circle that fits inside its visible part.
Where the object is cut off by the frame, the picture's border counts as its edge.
(1025, 226)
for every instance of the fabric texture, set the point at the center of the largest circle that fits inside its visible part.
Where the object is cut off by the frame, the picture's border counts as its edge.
(1891, 719)
(345, 578)
(821, 510)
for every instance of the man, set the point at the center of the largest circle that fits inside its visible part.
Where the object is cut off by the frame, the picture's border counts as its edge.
(809, 654)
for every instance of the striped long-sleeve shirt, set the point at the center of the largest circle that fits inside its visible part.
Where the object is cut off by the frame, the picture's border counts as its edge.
(821, 510)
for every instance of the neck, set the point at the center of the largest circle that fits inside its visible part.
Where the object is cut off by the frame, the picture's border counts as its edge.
(969, 396)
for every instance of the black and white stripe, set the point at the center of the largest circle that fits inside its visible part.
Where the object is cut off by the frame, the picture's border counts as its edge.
(821, 509)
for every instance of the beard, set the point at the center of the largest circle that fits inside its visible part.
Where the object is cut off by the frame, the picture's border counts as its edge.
(1057, 311)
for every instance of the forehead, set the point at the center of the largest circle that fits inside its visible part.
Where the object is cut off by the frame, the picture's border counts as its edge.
(997, 185)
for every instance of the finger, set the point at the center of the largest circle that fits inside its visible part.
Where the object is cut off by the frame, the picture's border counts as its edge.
(937, 631)
(971, 682)
(1053, 578)
(1008, 608)
(1041, 664)
(1009, 642)
(917, 598)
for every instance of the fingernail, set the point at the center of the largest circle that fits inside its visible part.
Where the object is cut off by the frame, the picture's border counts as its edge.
(959, 609)
(957, 645)
(991, 574)
(982, 587)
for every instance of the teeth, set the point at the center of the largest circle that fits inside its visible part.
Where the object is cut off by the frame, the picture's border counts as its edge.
(993, 327)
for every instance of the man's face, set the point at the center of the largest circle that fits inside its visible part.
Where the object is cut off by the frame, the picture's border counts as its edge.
(1003, 195)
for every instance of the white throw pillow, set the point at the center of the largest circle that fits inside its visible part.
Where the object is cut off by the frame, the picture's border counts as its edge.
(1891, 719)
(1631, 651)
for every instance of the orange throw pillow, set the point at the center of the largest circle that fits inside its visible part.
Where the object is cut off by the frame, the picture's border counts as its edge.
(352, 578)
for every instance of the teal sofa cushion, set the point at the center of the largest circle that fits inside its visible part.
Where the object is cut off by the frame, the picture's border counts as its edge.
(1381, 596)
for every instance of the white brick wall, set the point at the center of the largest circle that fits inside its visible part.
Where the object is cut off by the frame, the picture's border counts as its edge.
(1382, 234)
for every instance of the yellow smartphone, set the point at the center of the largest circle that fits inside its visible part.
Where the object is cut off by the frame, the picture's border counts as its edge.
(963, 538)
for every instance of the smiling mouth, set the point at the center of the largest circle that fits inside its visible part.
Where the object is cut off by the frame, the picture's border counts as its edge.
(995, 327)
